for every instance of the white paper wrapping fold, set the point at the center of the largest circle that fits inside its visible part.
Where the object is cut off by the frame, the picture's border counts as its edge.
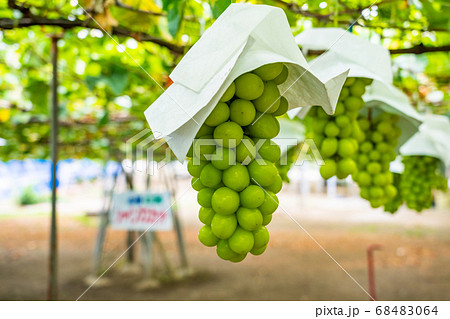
(243, 38)
(433, 139)
(344, 51)
(387, 98)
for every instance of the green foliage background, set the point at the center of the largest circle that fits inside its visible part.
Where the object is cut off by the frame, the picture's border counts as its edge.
(106, 82)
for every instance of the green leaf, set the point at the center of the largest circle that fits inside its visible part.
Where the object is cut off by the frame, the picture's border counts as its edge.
(219, 6)
(38, 92)
(118, 80)
(174, 10)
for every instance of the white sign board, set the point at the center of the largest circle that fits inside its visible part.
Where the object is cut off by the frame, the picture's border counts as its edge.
(141, 211)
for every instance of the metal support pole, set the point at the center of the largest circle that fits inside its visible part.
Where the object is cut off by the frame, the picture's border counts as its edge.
(371, 270)
(52, 292)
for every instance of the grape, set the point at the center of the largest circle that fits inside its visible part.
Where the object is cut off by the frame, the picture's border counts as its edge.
(222, 158)
(224, 251)
(245, 151)
(242, 112)
(268, 150)
(374, 179)
(249, 218)
(236, 177)
(206, 236)
(241, 241)
(329, 168)
(223, 226)
(282, 108)
(269, 71)
(420, 177)
(276, 186)
(338, 136)
(258, 251)
(205, 215)
(228, 134)
(235, 174)
(249, 86)
(210, 176)
(229, 93)
(262, 172)
(265, 126)
(225, 201)
(195, 170)
(220, 114)
(269, 101)
(270, 204)
(252, 196)
(282, 77)
(204, 197)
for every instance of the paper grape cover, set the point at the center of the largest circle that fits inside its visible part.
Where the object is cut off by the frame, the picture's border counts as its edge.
(243, 38)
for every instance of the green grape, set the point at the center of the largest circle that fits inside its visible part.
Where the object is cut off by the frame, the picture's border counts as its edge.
(262, 172)
(245, 151)
(241, 241)
(224, 251)
(220, 114)
(225, 201)
(373, 159)
(420, 177)
(195, 167)
(339, 136)
(223, 226)
(249, 86)
(205, 215)
(228, 134)
(229, 93)
(252, 196)
(282, 77)
(236, 179)
(270, 204)
(264, 126)
(282, 108)
(269, 101)
(249, 218)
(268, 150)
(242, 112)
(206, 236)
(204, 197)
(269, 71)
(210, 176)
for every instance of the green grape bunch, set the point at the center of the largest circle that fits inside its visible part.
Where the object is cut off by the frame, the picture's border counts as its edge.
(376, 152)
(235, 175)
(337, 136)
(420, 177)
(393, 204)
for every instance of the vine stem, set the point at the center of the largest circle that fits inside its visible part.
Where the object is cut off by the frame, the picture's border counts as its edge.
(336, 13)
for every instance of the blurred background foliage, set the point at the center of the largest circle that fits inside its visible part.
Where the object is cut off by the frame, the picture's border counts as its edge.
(106, 82)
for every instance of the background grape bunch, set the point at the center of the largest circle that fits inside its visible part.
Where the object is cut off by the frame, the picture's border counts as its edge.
(376, 152)
(393, 204)
(419, 178)
(235, 175)
(337, 136)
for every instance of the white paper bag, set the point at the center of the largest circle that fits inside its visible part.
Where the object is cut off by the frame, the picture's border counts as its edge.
(344, 51)
(433, 139)
(383, 97)
(243, 38)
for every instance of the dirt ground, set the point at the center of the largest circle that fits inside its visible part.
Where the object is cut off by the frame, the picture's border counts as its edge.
(412, 265)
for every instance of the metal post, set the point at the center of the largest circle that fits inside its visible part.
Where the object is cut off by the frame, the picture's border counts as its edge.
(371, 270)
(176, 220)
(52, 292)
